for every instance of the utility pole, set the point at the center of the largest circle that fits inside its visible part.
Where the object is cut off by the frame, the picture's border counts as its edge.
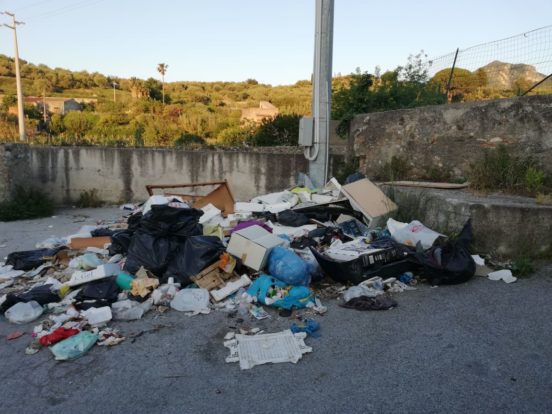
(114, 85)
(44, 114)
(20, 113)
(322, 91)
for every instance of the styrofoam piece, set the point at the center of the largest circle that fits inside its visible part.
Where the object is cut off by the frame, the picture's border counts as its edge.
(101, 272)
(98, 316)
(230, 287)
(273, 348)
(249, 207)
(505, 275)
(209, 213)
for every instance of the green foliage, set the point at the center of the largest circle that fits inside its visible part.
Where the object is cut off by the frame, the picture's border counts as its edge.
(406, 87)
(8, 101)
(89, 199)
(498, 170)
(345, 169)
(465, 85)
(77, 124)
(26, 204)
(534, 179)
(236, 135)
(522, 266)
(282, 130)
(188, 140)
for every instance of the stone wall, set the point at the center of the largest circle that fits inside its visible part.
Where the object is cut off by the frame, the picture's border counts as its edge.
(121, 174)
(14, 162)
(443, 140)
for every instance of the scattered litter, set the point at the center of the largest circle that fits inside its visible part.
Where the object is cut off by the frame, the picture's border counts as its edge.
(505, 275)
(75, 346)
(309, 326)
(273, 348)
(24, 312)
(14, 335)
(191, 300)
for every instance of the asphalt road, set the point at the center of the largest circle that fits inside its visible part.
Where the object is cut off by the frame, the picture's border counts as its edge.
(478, 347)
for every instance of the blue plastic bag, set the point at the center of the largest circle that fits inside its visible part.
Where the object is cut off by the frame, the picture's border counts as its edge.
(297, 296)
(75, 346)
(285, 265)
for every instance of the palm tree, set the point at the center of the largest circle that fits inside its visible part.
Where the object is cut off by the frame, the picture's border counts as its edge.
(162, 69)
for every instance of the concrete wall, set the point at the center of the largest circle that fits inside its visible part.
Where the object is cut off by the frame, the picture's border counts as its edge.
(14, 161)
(121, 174)
(447, 138)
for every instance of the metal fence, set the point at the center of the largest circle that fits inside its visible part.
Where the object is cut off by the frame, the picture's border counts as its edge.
(516, 65)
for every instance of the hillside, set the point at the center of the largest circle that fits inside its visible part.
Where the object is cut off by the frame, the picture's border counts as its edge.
(504, 76)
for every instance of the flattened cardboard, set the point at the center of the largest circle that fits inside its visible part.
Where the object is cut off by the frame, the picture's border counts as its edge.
(78, 243)
(367, 198)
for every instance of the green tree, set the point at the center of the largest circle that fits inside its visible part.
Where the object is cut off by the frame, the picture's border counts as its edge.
(77, 124)
(162, 69)
(282, 130)
(8, 101)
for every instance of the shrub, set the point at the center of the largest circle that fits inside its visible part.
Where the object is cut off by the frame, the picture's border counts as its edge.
(498, 170)
(282, 130)
(188, 140)
(89, 198)
(26, 204)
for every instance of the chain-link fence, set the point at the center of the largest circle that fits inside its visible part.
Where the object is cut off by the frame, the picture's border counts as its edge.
(516, 65)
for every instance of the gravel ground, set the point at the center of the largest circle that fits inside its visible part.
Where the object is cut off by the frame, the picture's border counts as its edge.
(478, 347)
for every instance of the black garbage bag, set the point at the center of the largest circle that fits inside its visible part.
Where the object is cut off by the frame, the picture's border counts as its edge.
(152, 252)
(120, 242)
(292, 218)
(163, 220)
(42, 294)
(102, 232)
(451, 263)
(30, 259)
(192, 257)
(97, 294)
(160, 232)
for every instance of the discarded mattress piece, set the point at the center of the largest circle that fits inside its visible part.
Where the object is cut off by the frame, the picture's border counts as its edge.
(273, 348)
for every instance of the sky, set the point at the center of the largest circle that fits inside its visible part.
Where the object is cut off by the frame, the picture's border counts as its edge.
(268, 40)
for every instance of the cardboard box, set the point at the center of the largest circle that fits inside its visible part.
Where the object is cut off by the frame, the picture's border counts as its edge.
(253, 245)
(367, 198)
(78, 243)
(101, 272)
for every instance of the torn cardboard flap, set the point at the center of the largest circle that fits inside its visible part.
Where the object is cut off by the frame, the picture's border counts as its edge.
(78, 243)
(367, 198)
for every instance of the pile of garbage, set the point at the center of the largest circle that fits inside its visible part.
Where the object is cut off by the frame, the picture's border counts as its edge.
(196, 254)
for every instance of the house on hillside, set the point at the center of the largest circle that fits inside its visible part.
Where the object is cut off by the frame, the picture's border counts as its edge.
(55, 105)
(265, 111)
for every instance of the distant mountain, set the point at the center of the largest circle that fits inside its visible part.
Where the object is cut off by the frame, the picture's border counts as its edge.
(503, 76)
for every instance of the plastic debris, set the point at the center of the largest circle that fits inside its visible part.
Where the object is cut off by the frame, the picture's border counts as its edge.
(505, 275)
(24, 312)
(191, 300)
(75, 346)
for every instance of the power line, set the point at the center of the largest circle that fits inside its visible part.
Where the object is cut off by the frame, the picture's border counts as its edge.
(64, 9)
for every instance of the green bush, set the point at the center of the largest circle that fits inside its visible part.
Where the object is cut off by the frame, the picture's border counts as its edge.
(498, 170)
(26, 204)
(188, 140)
(89, 199)
(282, 130)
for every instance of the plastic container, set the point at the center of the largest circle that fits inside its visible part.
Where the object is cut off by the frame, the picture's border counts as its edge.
(128, 310)
(24, 312)
(98, 316)
(124, 280)
(385, 263)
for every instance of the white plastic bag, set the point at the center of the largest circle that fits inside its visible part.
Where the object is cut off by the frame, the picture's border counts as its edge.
(191, 300)
(412, 233)
(24, 312)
